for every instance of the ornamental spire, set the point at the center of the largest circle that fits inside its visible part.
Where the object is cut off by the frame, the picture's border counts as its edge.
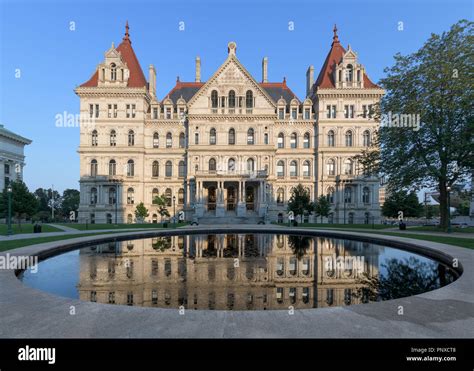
(127, 35)
(335, 38)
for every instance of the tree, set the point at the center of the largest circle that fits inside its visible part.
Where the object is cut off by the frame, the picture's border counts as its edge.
(141, 212)
(322, 207)
(161, 203)
(435, 83)
(69, 202)
(402, 201)
(24, 203)
(300, 201)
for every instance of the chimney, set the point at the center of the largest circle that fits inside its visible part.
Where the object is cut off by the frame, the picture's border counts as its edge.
(152, 80)
(265, 69)
(198, 69)
(309, 80)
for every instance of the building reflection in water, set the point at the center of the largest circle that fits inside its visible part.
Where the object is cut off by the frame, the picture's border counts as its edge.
(228, 272)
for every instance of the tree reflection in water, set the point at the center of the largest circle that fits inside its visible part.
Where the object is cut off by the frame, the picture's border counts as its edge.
(299, 245)
(161, 243)
(402, 278)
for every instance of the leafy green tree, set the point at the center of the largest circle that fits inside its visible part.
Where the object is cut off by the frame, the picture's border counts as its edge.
(141, 212)
(300, 201)
(322, 207)
(435, 83)
(24, 203)
(161, 203)
(402, 201)
(70, 202)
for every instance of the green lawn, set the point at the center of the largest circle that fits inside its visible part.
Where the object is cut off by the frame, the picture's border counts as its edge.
(93, 227)
(346, 226)
(437, 229)
(13, 244)
(26, 228)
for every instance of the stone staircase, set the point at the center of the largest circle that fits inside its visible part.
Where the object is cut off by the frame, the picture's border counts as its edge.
(213, 220)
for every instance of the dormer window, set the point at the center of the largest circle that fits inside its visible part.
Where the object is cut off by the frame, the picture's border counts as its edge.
(281, 113)
(349, 73)
(113, 72)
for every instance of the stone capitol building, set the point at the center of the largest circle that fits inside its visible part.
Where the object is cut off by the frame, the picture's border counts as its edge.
(227, 149)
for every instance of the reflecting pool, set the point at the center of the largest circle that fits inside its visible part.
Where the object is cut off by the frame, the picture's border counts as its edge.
(238, 272)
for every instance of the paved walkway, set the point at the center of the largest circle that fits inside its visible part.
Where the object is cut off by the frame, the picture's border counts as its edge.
(443, 313)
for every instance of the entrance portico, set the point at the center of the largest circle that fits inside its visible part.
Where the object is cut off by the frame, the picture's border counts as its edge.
(230, 195)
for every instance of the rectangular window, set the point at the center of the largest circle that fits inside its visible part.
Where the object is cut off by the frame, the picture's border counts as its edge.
(351, 111)
(154, 297)
(127, 111)
(109, 111)
(168, 113)
(331, 111)
(346, 111)
(130, 298)
(307, 114)
(94, 296)
(294, 113)
(96, 111)
(154, 267)
(364, 111)
(181, 113)
(281, 114)
(155, 113)
(196, 138)
(334, 111)
(133, 111)
(91, 110)
(7, 169)
(115, 111)
(112, 297)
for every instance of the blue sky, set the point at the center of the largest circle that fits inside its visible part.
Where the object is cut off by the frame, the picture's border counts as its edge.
(35, 37)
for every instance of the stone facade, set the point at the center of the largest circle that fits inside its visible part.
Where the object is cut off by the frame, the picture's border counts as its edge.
(228, 147)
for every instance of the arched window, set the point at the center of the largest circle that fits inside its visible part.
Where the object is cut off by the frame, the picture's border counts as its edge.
(249, 99)
(293, 168)
(232, 136)
(294, 140)
(280, 168)
(330, 195)
(155, 169)
(113, 72)
(168, 195)
(113, 138)
(366, 138)
(130, 196)
(348, 138)
(129, 218)
(212, 165)
(250, 164)
(331, 167)
(265, 138)
(181, 169)
(196, 138)
(214, 99)
(131, 138)
(366, 195)
(231, 99)
(154, 218)
(366, 218)
(112, 168)
(112, 196)
(351, 218)
(154, 195)
(156, 140)
(169, 140)
(181, 196)
(348, 167)
(212, 136)
(231, 165)
(93, 196)
(168, 169)
(280, 196)
(250, 136)
(331, 138)
(182, 140)
(94, 168)
(281, 140)
(349, 73)
(130, 168)
(348, 195)
(306, 168)
(94, 138)
(306, 140)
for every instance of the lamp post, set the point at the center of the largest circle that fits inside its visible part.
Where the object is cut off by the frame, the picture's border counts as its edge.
(448, 189)
(9, 192)
(174, 210)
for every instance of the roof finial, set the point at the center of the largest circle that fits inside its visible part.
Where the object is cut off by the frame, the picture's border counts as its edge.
(177, 78)
(284, 79)
(335, 38)
(127, 35)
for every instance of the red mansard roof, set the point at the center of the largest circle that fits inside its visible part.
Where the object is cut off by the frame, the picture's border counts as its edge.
(325, 79)
(136, 78)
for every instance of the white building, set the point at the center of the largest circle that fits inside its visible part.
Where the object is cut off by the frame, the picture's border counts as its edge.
(12, 158)
(227, 147)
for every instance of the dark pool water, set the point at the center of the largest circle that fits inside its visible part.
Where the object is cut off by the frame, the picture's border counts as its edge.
(238, 272)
